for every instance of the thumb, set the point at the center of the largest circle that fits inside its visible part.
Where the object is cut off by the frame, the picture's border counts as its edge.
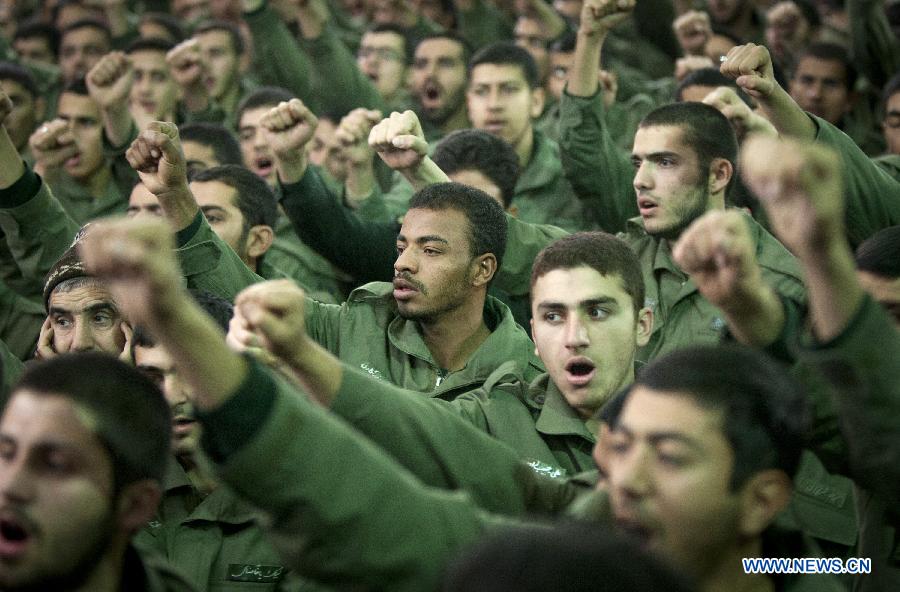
(410, 142)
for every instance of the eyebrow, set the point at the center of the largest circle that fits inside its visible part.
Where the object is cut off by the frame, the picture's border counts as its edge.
(429, 238)
(92, 308)
(655, 155)
(206, 209)
(551, 305)
(657, 437)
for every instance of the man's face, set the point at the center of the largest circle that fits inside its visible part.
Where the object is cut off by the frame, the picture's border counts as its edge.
(478, 180)
(669, 469)
(671, 190)
(501, 103)
(35, 49)
(325, 150)
(79, 50)
(560, 64)
(218, 202)
(254, 145)
(820, 87)
(83, 116)
(25, 113)
(154, 92)
(885, 291)
(219, 53)
(143, 204)
(725, 12)
(434, 267)
(199, 157)
(585, 332)
(157, 364)
(439, 78)
(56, 494)
(85, 318)
(191, 11)
(891, 124)
(382, 58)
(531, 37)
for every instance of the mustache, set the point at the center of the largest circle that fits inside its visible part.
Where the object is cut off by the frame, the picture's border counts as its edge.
(407, 278)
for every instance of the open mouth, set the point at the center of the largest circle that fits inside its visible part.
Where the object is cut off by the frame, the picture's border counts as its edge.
(73, 161)
(403, 289)
(636, 531)
(431, 94)
(646, 206)
(263, 165)
(580, 371)
(14, 536)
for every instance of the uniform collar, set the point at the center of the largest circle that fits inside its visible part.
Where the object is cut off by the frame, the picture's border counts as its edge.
(556, 416)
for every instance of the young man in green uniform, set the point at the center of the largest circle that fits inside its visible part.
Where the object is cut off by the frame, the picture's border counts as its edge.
(83, 454)
(676, 462)
(438, 331)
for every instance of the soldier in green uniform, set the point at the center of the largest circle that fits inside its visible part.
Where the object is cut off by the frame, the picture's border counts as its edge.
(83, 458)
(679, 477)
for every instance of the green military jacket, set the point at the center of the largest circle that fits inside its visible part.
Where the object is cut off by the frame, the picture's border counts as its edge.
(216, 542)
(36, 231)
(533, 419)
(82, 205)
(391, 531)
(483, 24)
(367, 333)
(148, 573)
(681, 315)
(542, 193)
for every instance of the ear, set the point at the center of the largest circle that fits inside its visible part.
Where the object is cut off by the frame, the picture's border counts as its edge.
(644, 326)
(720, 173)
(259, 239)
(137, 504)
(536, 351)
(537, 102)
(762, 497)
(485, 268)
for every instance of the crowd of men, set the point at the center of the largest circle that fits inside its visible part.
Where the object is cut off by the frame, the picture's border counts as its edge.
(449, 295)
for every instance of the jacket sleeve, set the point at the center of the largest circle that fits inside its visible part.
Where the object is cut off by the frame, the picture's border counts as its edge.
(524, 241)
(342, 512)
(38, 230)
(863, 364)
(599, 171)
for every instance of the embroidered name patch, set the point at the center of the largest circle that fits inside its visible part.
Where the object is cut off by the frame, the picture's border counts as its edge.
(263, 574)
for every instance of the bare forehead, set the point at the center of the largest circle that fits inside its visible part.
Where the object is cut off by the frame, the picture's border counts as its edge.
(450, 225)
(660, 138)
(382, 39)
(440, 47)
(497, 74)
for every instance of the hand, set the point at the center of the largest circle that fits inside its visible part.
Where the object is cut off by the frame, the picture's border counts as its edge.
(353, 135)
(719, 254)
(609, 83)
(741, 116)
(187, 65)
(136, 260)
(399, 141)
(289, 127)
(157, 157)
(799, 185)
(693, 30)
(686, 65)
(109, 81)
(52, 145)
(271, 315)
(751, 67)
(601, 16)
(45, 349)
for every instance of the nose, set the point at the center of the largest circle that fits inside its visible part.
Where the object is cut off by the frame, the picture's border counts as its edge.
(576, 332)
(643, 179)
(15, 482)
(83, 337)
(174, 390)
(259, 138)
(406, 261)
(814, 90)
(630, 473)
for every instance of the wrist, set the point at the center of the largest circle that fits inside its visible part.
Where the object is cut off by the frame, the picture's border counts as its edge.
(291, 170)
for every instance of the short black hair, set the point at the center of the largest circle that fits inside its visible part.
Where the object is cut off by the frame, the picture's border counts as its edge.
(831, 52)
(507, 53)
(149, 44)
(487, 221)
(237, 42)
(709, 133)
(605, 253)
(264, 96)
(34, 28)
(449, 36)
(132, 416)
(88, 23)
(766, 417)
(891, 87)
(254, 198)
(167, 21)
(20, 75)
(76, 87)
(478, 150)
(565, 43)
(567, 557)
(710, 77)
(880, 253)
(224, 144)
(218, 308)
